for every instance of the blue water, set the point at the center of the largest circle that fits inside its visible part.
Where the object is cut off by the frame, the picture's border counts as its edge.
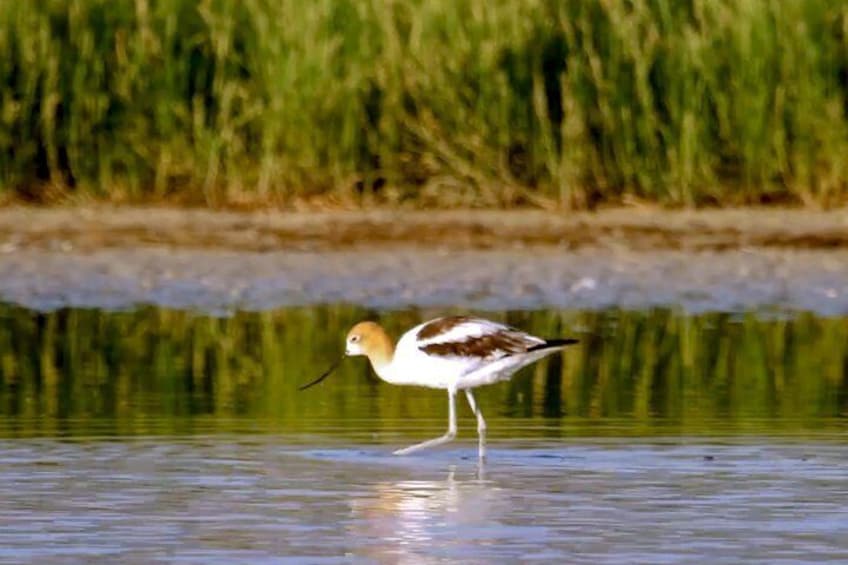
(271, 499)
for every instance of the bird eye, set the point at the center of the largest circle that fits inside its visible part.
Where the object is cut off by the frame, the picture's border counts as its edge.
(354, 338)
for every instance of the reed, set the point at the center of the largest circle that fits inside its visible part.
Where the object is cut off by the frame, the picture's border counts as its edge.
(425, 102)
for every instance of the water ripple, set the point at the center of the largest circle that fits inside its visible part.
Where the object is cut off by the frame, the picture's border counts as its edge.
(226, 499)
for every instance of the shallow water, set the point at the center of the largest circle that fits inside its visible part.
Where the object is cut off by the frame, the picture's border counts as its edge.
(158, 435)
(222, 499)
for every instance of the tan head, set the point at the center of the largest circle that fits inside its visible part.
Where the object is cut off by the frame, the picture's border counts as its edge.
(365, 338)
(368, 338)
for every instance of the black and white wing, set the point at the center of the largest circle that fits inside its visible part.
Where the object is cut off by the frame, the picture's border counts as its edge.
(461, 336)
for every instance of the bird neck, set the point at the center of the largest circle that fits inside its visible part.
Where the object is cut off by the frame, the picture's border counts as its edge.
(381, 352)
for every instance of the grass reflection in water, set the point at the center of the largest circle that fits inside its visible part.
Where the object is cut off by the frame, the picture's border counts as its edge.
(79, 371)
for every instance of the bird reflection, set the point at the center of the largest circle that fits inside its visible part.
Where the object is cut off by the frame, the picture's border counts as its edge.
(402, 519)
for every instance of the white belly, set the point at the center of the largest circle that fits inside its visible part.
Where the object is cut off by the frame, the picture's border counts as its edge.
(411, 366)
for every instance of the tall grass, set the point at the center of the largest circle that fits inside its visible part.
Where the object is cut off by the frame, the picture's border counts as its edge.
(152, 369)
(432, 102)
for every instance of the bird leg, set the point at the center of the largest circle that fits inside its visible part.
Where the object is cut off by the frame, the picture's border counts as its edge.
(481, 424)
(451, 433)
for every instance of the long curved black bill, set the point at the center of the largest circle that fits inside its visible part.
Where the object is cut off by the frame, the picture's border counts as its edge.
(323, 376)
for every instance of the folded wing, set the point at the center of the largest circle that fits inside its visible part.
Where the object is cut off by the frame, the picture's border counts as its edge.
(464, 337)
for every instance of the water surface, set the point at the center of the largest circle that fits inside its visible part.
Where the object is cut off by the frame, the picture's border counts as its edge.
(157, 435)
(226, 498)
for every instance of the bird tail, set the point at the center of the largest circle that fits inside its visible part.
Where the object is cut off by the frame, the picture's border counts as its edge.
(554, 343)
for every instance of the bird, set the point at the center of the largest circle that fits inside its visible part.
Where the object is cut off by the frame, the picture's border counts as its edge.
(454, 353)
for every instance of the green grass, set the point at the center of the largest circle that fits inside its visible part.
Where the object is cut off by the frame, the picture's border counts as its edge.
(425, 102)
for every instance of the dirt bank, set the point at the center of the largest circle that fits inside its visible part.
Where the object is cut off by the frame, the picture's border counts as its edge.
(92, 228)
(728, 260)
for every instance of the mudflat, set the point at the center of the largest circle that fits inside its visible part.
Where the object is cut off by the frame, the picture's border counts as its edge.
(729, 260)
(97, 227)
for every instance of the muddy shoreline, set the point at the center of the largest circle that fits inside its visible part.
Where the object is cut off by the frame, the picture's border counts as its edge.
(733, 260)
(648, 229)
